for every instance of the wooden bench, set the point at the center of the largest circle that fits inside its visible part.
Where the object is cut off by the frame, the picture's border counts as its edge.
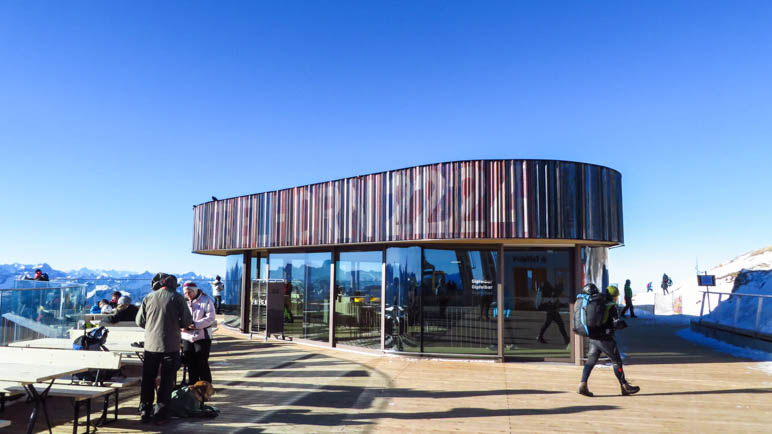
(80, 394)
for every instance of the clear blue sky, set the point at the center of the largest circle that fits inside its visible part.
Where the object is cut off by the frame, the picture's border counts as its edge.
(117, 117)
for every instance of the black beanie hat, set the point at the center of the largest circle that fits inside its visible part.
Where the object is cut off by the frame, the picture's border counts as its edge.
(161, 280)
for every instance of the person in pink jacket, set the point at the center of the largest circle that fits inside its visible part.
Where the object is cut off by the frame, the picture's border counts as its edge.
(197, 338)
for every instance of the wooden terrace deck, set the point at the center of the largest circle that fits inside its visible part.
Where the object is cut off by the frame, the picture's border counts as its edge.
(284, 387)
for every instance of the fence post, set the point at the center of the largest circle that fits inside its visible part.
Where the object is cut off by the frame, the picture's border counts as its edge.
(702, 305)
(758, 313)
(737, 308)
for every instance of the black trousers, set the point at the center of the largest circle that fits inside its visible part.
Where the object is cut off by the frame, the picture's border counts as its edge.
(217, 303)
(609, 348)
(554, 315)
(169, 364)
(196, 356)
(628, 305)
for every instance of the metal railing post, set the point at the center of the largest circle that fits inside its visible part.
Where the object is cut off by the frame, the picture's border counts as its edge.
(702, 305)
(737, 309)
(758, 313)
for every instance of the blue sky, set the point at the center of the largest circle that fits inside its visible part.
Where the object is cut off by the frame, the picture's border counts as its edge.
(117, 117)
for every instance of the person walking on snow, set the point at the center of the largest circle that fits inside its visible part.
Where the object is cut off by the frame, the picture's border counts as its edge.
(628, 300)
(602, 341)
(666, 282)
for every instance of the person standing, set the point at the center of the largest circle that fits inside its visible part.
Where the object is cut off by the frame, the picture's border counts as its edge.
(628, 300)
(197, 338)
(602, 341)
(162, 314)
(666, 282)
(217, 290)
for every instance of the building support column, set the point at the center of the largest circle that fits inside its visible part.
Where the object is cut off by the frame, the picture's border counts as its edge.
(577, 342)
(383, 301)
(333, 296)
(246, 291)
(500, 304)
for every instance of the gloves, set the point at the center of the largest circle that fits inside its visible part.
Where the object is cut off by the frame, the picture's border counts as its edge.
(620, 324)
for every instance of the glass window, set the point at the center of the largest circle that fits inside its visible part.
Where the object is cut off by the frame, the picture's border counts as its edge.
(231, 298)
(307, 296)
(402, 304)
(458, 289)
(536, 303)
(358, 298)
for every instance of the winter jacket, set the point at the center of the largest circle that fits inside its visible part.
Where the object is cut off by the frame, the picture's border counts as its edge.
(162, 314)
(203, 313)
(129, 313)
(217, 288)
(628, 291)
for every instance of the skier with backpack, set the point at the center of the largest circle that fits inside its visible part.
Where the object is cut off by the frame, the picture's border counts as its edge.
(596, 316)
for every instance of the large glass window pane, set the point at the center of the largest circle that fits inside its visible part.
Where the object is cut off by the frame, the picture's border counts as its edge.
(458, 289)
(231, 298)
(358, 299)
(307, 296)
(536, 303)
(403, 298)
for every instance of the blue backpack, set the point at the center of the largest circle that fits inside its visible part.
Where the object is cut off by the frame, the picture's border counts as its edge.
(588, 312)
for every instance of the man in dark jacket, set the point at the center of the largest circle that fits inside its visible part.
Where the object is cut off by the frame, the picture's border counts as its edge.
(602, 341)
(162, 314)
(125, 311)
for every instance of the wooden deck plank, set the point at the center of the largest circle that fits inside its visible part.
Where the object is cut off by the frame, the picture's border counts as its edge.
(283, 387)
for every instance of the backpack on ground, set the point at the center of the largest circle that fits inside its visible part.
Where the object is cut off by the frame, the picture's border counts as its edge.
(93, 340)
(588, 312)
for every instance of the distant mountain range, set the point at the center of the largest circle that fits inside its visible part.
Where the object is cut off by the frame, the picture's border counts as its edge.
(99, 283)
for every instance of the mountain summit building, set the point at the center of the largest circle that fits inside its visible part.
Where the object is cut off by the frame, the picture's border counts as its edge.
(478, 258)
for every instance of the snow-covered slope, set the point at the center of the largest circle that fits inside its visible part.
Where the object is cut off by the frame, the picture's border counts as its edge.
(746, 315)
(686, 298)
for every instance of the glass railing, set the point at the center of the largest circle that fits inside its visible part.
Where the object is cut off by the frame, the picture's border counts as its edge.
(34, 309)
(137, 289)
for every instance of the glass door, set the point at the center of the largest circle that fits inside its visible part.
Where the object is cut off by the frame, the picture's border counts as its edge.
(536, 303)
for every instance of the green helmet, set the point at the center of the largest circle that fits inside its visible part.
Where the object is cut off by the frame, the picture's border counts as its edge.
(613, 291)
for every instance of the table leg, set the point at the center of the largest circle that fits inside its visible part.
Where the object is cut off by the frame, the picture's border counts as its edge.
(40, 401)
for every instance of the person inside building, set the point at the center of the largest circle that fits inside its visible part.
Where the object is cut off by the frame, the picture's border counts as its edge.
(602, 341)
(197, 338)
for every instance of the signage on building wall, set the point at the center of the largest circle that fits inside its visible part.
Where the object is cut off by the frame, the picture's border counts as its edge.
(483, 285)
(530, 259)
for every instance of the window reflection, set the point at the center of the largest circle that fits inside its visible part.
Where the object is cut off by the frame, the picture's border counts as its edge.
(457, 294)
(536, 301)
(307, 292)
(358, 299)
(231, 299)
(402, 304)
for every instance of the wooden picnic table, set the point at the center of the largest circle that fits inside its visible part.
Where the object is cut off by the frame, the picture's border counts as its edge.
(116, 346)
(27, 375)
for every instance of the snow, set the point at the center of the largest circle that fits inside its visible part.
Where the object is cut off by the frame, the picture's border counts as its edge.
(749, 282)
(732, 350)
(687, 297)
